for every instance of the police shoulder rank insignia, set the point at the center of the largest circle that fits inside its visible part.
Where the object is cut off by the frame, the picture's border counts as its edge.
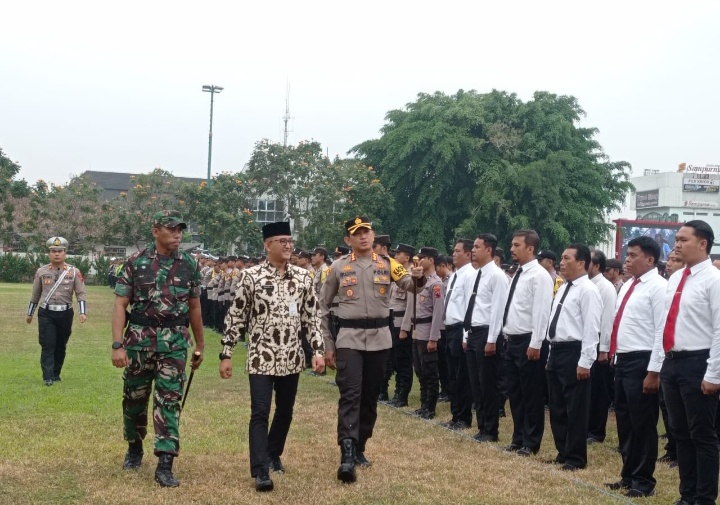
(397, 271)
(437, 290)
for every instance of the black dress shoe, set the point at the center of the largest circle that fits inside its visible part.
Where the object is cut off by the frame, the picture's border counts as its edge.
(419, 411)
(485, 437)
(57, 379)
(512, 448)
(276, 465)
(450, 425)
(263, 482)
(682, 502)
(398, 402)
(427, 414)
(666, 458)
(567, 467)
(525, 451)
(443, 397)
(615, 486)
(48, 382)
(559, 460)
(636, 493)
(461, 425)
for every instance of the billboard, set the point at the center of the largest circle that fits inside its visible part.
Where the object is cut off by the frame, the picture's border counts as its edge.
(662, 232)
(701, 183)
(647, 199)
(696, 168)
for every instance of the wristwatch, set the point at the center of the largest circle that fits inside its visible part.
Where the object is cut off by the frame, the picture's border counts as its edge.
(224, 356)
(117, 345)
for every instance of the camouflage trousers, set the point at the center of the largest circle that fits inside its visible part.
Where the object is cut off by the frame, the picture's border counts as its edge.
(167, 369)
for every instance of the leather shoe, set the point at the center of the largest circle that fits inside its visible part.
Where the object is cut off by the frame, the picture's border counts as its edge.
(419, 411)
(666, 458)
(615, 486)
(383, 397)
(450, 425)
(428, 414)
(485, 438)
(525, 451)
(567, 467)
(398, 402)
(361, 460)
(263, 482)
(512, 448)
(461, 425)
(276, 465)
(559, 460)
(133, 456)
(636, 493)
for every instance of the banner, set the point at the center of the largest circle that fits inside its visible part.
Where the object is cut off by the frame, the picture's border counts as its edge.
(647, 199)
(701, 205)
(689, 168)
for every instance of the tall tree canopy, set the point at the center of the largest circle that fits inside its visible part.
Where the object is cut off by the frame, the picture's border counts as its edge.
(467, 163)
(11, 190)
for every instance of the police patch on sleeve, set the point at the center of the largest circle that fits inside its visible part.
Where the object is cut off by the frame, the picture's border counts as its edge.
(397, 271)
(437, 290)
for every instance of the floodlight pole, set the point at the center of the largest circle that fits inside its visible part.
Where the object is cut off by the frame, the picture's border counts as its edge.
(212, 89)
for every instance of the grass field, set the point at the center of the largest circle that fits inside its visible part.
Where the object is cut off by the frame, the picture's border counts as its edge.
(63, 444)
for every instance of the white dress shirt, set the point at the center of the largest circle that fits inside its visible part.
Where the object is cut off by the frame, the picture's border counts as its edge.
(579, 318)
(530, 306)
(492, 292)
(457, 304)
(642, 323)
(698, 321)
(607, 316)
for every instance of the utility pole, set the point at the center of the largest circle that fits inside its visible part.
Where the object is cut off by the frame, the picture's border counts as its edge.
(287, 116)
(212, 89)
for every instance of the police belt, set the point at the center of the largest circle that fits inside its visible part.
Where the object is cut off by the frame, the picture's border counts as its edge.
(397, 313)
(55, 308)
(158, 323)
(422, 320)
(365, 324)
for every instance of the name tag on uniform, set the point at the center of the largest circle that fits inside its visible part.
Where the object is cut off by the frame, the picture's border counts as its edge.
(293, 308)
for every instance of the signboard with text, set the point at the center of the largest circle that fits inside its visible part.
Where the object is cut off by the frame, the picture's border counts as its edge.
(647, 199)
(701, 183)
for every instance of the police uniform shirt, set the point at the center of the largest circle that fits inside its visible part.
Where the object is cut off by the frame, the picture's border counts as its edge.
(430, 304)
(212, 285)
(274, 308)
(398, 304)
(642, 323)
(697, 326)
(458, 302)
(319, 278)
(529, 309)
(362, 285)
(492, 292)
(579, 317)
(45, 279)
(205, 274)
(406, 323)
(607, 316)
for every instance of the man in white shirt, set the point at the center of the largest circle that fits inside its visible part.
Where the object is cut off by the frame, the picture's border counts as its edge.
(488, 289)
(637, 326)
(573, 335)
(454, 315)
(691, 369)
(599, 375)
(525, 321)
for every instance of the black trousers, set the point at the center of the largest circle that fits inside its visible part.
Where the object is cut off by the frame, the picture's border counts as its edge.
(264, 445)
(426, 369)
(692, 421)
(599, 401)
(525, 384)
(483, 374)
(671, 445)
(359, 375)
(569, 403)
(637, 418)
(204, 307)
(399, 361)
(458, 379)
(442, 362)
(54, 330)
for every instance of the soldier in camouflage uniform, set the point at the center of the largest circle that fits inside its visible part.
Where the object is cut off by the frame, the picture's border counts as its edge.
(161, 285)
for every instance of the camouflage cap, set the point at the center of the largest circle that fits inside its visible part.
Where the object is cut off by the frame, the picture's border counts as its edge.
(56, 243)
(169, 218)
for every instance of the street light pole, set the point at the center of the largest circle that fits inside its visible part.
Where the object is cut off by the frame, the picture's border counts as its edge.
(212, 89)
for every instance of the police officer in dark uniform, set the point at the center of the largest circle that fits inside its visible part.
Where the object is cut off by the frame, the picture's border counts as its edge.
(362, 281)
(54, 284)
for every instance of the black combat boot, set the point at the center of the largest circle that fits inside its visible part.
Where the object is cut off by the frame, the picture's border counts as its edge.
(360, 458)
(133, 456)
(346, 472)
(399, 400)
(163, 472)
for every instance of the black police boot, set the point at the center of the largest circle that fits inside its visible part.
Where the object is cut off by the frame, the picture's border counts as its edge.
(263, 482)
(360, 458)
(346, 472)
(399, 400)
(383, 397)
(133, 456)
(163, 472)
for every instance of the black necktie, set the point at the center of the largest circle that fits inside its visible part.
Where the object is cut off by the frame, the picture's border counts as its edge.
(447, 295)
(510, 295)
(467, 323)
(554, 322)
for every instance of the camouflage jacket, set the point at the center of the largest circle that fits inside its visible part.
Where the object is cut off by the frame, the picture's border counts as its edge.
(159, 288)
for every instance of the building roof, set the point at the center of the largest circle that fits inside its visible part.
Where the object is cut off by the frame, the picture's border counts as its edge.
(114, 183)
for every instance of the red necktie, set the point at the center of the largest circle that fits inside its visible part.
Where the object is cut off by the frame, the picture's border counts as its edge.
(618, 316)
(669, 333)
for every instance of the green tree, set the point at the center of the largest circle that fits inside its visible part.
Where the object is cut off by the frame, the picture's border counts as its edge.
(223, 214)
(468, 163)
(11, 190)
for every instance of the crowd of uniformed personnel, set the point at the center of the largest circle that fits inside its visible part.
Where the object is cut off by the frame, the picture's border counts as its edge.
(479, 332)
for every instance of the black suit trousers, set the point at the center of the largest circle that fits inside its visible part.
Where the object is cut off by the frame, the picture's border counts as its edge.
(458, 379)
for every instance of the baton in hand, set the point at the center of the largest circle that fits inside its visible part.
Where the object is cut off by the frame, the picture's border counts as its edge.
(195, 357)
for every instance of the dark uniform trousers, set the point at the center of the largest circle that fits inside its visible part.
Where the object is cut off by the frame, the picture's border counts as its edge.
(637, 418)
(671, 445)
(525, 390)
(692, 421)
(426, 369)
(218, 316)
(264, 445)
(458, 379)
(205, 307)
(359, 375)
(599, 401)
(54, 330)
(483, 373)
(399, 361)
(569, 403)
(442, 362)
